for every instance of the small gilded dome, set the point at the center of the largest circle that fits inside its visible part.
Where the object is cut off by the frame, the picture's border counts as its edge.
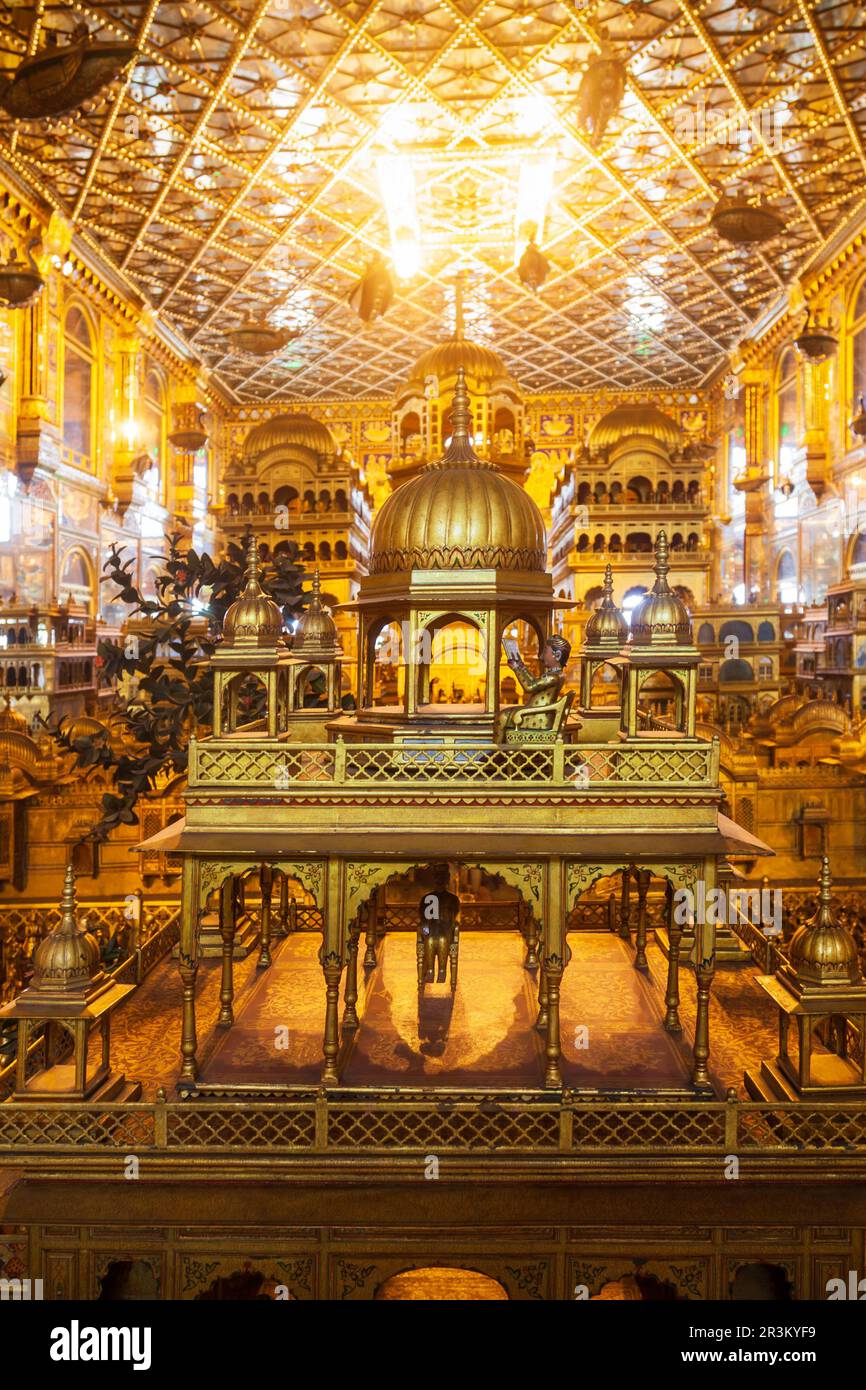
(67, 960)
(316, 632)
(634, 419)
(607, 627)
(253, 620)
(458, 513)
(83, 726)
(12, 721)
(822, 951)
(661, 618)
(480, 363)
(284, 431)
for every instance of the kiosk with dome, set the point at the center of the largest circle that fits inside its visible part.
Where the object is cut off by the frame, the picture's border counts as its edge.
(343, 804)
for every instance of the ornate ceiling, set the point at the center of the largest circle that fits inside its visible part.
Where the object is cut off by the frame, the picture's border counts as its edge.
(234, 172)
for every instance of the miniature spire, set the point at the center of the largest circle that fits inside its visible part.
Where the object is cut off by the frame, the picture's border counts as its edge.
(608, 584)
(68, 904)
(460, 448)
(460, 408)
(252, 587)
(662, 565)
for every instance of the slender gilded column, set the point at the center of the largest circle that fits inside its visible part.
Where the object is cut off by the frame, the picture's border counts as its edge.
(188, 970)
(227, 932)
(332, 967)
(704, 970)
(531, 931)
(284, 905)
(552, 1050)
(643, 883)
(266, 883)
(350, 995)
(541, 1021)
(672, 993)
(625, 905)
(370, 938)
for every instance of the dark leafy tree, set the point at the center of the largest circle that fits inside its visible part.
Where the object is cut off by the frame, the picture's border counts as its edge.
(165, 654)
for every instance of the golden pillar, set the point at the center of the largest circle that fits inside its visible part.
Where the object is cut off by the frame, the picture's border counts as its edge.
(643, 883)
(350, 994)
(331, 960)
(266, 884)
(672, 992)
(705, 969)
(227, 932)
(553, 963)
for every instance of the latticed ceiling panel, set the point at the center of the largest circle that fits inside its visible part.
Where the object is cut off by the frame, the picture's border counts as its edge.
(233, 174)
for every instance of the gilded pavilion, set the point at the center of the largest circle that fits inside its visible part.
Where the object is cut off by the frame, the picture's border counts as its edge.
(535, 337)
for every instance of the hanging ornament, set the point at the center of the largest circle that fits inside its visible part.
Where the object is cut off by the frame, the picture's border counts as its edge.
(786, 487)
(60, 77)
(858, 423)
(189, 433)
(20, 283)
(601, 90)
(256, 338)
(743, 223)
(372, 296)
(533, 268)
(817, 341)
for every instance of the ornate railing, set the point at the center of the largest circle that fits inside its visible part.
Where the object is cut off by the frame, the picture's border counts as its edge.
(310, 767)
(422, 1123)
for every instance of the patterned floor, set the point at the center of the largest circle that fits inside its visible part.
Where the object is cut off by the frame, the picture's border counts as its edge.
(610, 1021)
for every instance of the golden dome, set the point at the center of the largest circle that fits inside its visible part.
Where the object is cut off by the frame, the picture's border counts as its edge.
(458, 513)
(822, 951)
(661, 618)
(67, 960)
(631, 419)
(253, 620)
(316, 633)
(481, 364)
(84, 727)
(12, 721)
(285, 431)
(607, 627)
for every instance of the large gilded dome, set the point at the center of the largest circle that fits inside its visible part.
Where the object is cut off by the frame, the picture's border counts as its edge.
(631, 419)
(480, 363)
(284, 431)
(458, 513)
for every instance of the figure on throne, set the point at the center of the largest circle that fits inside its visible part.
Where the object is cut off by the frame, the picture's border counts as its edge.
(543, 708)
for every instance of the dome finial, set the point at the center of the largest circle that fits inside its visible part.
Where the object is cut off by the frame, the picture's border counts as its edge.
(662, 565)
(825, 884)
(68, 902)
(608, 581)
(460, 407)
(252, 587)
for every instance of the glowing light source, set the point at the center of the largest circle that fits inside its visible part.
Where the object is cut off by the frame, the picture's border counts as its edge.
(534, 191)
(397, 185)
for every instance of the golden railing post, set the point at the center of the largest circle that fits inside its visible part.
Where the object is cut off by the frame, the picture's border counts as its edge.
(370, 909)
(731, 1121)
(227, 932)
(321, 1135)
(340, 760)
(643, 882)
(266, 884)
(566, 1126)
(160, 1121)
(331, 960)
(672, 993)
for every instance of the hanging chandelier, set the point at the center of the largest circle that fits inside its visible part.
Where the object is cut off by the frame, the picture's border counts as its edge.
(189, 433)
(533, 268)
(601, 90)
(20, 282)
(60, 77)
(256, 338)
(372, 295)
(817, 341)
(743, 223)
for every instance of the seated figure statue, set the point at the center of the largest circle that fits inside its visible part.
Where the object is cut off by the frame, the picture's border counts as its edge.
(544, 708)
(438, 932)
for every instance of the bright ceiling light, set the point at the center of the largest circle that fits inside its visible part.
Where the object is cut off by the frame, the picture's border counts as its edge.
(532, 113)
(534, 191)
(399, 125)
(397, 185)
